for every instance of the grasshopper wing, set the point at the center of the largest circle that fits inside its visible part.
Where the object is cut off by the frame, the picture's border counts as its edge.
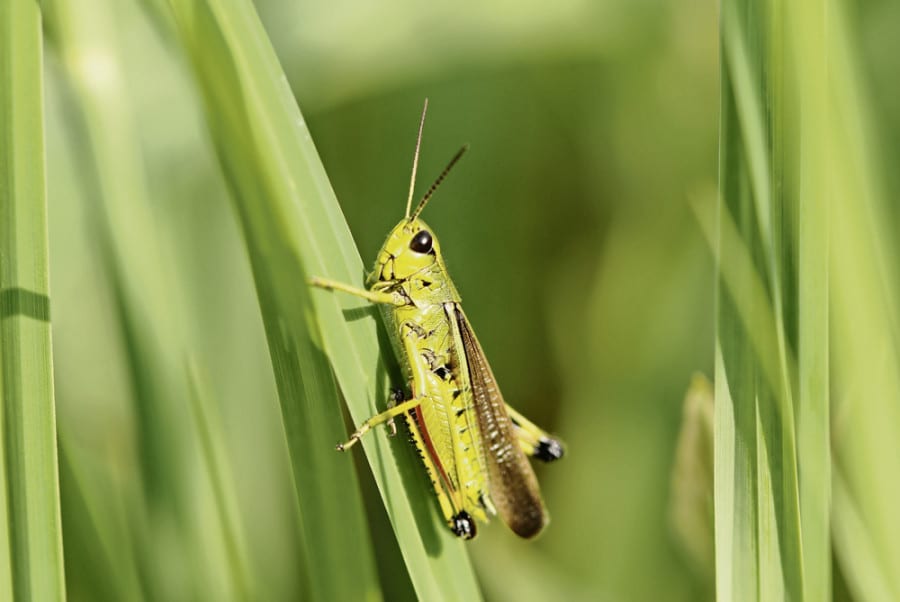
(513, 486)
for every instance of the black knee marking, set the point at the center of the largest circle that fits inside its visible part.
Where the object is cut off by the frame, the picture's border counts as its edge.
(464, 526)
(549, 450)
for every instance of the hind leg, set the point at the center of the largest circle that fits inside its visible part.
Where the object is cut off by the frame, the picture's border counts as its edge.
(533, 440)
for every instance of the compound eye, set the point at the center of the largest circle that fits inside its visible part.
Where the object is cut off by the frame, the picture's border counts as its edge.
(421, 242)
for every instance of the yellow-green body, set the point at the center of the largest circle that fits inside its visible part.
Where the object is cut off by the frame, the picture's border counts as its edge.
(472, 444)
(425, 339)
(474, 447)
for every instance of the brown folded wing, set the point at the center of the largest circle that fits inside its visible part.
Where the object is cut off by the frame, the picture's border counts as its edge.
(513, 486)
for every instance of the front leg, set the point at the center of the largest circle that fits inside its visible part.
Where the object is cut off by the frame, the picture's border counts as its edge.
(386, 298)
(376, 420)
(385, 416)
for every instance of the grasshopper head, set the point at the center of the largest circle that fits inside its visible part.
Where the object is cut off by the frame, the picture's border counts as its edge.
(411, 247)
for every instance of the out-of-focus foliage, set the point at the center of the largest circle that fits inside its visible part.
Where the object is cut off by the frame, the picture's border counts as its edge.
(566, 227)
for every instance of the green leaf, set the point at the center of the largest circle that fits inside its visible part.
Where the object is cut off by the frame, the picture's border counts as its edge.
(293, 228)
(31, 557)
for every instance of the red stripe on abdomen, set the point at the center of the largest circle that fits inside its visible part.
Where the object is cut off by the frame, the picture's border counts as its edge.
(426, 438)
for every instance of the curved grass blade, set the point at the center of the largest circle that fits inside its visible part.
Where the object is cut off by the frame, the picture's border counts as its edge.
(31, 555)
(293, 228)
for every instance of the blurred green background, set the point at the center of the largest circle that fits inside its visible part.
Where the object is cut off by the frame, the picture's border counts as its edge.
(567, 230)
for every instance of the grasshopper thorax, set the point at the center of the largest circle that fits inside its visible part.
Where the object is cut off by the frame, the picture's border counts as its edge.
(410, 249)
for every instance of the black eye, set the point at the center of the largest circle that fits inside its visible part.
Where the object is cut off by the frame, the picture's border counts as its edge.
(421, 242)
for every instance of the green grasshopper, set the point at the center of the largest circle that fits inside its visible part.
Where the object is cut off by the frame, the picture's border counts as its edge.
(473, 445)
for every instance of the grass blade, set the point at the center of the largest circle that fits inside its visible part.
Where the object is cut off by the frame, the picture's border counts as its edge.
(124, 229)
(868, 575)
(809, 48)
(772, 380)
(212, 448)
(294, 228)
(31, 551)
(866, 357)
(95, 519)
(331, 515)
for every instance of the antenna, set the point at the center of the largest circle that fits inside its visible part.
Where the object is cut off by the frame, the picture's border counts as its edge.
(412, 180)
(437, 182)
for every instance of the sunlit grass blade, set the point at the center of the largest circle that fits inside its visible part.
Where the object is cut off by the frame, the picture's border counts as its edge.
(338, 549)
(294, 229)
(31, 555)
(772, 446)
(212, 449)
(145, 304)
(866, 356)
(123, 227)
(808, 48)
(746, 568)
(865, 567)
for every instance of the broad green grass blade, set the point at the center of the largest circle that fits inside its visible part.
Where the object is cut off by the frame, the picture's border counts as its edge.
(772, 446)
(294, 229)
(748, 379)
(31, 555)
(338, 549)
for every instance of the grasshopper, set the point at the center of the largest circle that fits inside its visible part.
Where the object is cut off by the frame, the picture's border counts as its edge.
(474, 446)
